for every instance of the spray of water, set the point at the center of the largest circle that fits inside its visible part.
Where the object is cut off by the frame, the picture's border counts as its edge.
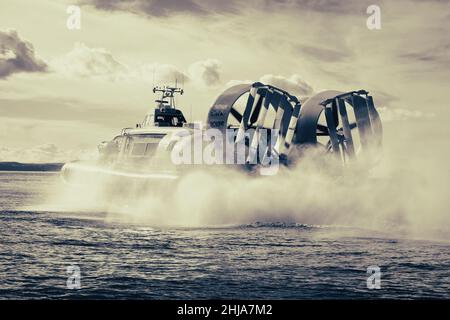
(399, 196)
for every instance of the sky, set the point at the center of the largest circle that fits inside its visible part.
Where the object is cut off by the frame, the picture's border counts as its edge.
(62, 91)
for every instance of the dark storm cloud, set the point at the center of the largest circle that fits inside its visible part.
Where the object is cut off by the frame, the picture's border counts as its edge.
(17, 55)
(163, 8)
(330, 6)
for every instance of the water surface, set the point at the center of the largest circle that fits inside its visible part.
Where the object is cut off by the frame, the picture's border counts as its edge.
(259, 260)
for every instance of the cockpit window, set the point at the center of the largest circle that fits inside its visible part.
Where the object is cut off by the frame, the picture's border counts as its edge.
(138, 149)
(144, 145)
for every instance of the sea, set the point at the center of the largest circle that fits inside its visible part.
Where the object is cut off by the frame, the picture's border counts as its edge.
(51, 254)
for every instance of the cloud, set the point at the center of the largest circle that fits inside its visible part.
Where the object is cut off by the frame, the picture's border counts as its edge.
(206, 72)
(160, 73)
(325, 6)
(294, 84)
(402, 114)
(83, 61)
(434, 58)
(232, 83)
(17, 55)
(98, 63)
(164, 8)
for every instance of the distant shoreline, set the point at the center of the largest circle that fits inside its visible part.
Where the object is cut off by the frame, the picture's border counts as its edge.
(42, 167)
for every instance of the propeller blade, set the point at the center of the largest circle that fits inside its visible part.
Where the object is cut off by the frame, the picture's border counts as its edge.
(255, 114)
(335, 113)
(352, 126)
(322, 130)
(236, 114)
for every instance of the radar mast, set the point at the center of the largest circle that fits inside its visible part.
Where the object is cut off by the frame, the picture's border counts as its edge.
(167, 100)
(166, 113)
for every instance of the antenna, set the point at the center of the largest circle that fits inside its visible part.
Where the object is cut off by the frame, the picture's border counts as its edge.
(167, 92)
(176, 86)
(153, 76)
